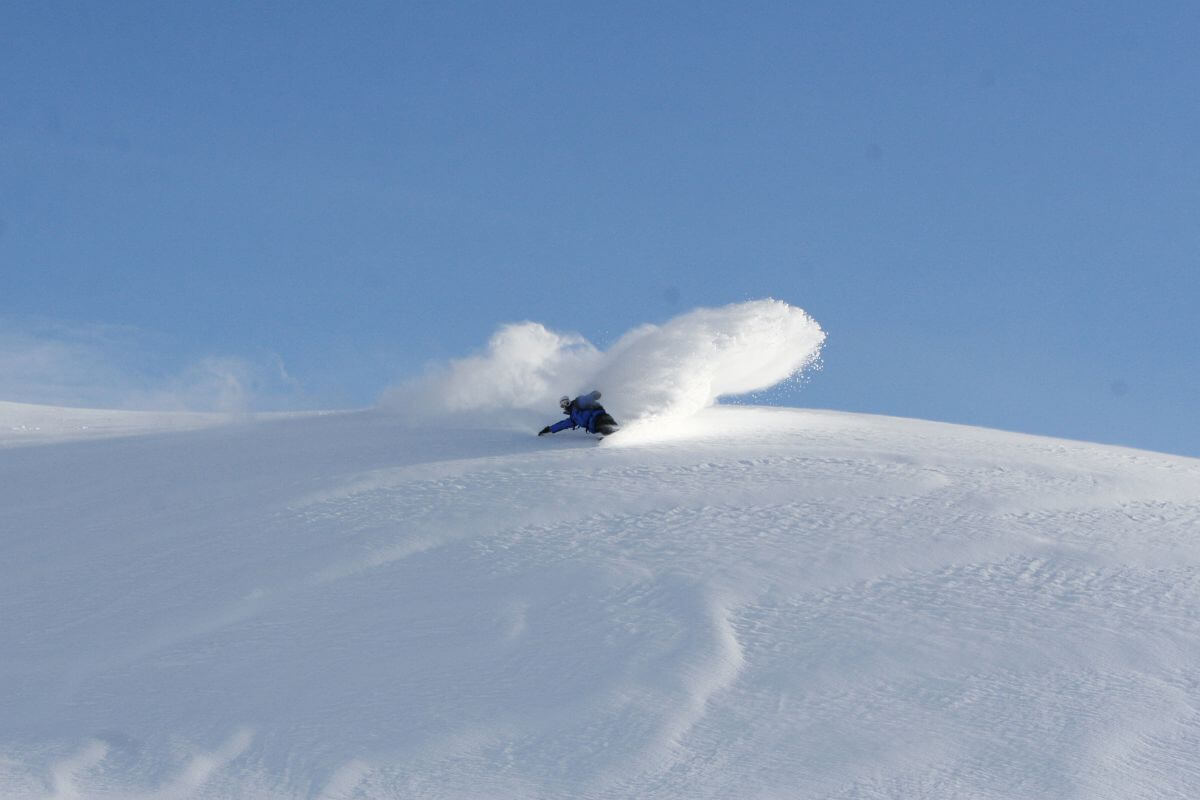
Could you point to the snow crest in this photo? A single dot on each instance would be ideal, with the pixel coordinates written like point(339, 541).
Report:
point(661, 372)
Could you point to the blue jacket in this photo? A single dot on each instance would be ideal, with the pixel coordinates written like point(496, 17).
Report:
point(582, 413)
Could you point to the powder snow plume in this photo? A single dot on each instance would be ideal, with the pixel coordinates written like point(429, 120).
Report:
point(661, 372)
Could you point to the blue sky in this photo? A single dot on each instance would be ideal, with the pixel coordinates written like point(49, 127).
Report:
point(993, 209)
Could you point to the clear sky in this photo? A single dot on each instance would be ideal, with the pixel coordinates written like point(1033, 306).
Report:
point(992, 208)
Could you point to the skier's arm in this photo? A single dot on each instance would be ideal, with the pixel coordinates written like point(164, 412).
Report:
point(558, 426)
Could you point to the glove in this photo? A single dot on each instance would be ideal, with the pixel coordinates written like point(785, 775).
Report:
point(544, 431)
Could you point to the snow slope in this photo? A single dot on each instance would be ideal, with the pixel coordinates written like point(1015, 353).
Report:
point(28, 423)
point(765, 603)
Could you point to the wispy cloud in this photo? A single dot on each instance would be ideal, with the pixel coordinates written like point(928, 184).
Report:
point(110, 366)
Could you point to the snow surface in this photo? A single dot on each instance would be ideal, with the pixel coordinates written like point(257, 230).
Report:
point(746, 602)
point(27, 423)
point(715, 602)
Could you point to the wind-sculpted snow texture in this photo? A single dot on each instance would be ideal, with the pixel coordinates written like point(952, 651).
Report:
point(662, 374)
point(774, 603)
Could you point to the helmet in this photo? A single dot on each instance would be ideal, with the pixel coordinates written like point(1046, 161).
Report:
point(564, 402)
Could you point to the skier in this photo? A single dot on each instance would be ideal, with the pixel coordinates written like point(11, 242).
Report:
point(584, 412)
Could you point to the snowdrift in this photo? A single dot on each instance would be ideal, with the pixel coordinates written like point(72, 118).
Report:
point(786, 604)
point(661, 373)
